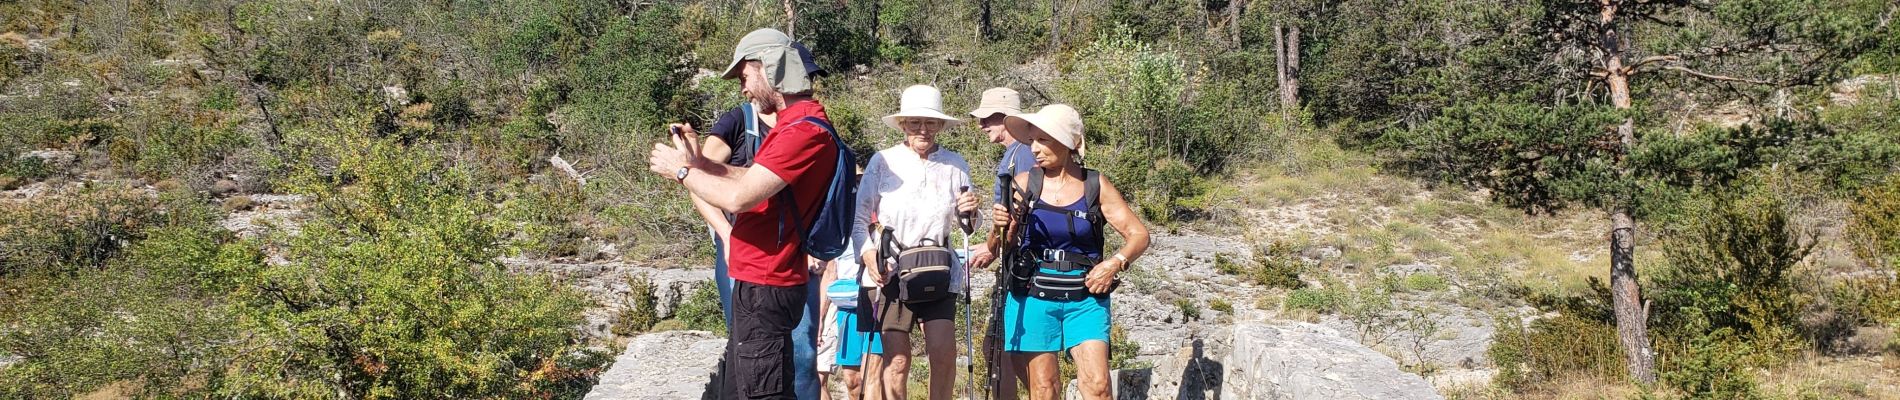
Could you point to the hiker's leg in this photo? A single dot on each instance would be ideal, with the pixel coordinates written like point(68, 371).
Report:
point(940, 344)
point(873, 376)
point(804, 343)
point(1043, 372)
point(1091, 369)
point(722, 279)
point(824, 383)
point(896, 364)
point(853, 382)
point(760, 340)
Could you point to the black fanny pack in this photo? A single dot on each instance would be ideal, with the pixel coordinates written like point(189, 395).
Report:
point(1044, 283)
point(922, 273)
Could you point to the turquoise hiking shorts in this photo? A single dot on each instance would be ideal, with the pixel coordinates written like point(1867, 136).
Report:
point(1032, 325)
point(851, 343)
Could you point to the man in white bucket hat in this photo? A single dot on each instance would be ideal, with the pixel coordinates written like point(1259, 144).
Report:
point(917, 190)
point(768, 265)
point(1062, 301)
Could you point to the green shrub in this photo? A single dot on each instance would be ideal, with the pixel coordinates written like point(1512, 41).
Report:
point(16, 171)
point(1549, 348)
point(1423, 282)
point(1709, 368)
point(1873, 231)
point(1221, 305)
point(1162, 131)
point(83, 231)
point(1734, 268)
point(1122, 352)
point(393, 290)
point(701, 310)
point(154, 317)
point(1189, 310)
point(1276, 265)
point(637, 313)
point(1323, 300)
point(1225, 264)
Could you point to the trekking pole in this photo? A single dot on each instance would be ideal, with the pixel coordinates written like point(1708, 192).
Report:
point(969, 287)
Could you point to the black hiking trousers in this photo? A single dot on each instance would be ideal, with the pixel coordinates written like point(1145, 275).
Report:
point(759, 341)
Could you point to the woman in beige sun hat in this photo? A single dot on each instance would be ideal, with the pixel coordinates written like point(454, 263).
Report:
point(916, 190)
point(1063, 267)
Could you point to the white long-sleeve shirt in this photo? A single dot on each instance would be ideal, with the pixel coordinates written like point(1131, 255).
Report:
point(915, 196)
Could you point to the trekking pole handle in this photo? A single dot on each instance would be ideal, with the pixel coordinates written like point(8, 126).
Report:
point(963, 218)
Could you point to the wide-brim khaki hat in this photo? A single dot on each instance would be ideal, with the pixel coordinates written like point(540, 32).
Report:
point(784, 67)
point(920, 101)
point(1000, 100)
point(1059, 121)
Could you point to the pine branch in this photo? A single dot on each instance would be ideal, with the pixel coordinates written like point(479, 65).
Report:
point(1714, 77)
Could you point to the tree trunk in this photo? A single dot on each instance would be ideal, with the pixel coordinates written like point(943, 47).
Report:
point(1632, 319)
point(791, 20)
point(1279, 67)
point(983, 29)
point(1233, 21)
point(1293, 67)
point(1055, 25)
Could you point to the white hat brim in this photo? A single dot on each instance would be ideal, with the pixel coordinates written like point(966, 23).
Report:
point(1017, 126)
point(948, 121)
point(982, 113)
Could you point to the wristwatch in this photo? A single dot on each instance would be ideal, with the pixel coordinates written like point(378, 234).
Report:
point(681, 175)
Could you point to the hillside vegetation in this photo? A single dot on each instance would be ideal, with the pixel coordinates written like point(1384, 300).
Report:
point(1690, 198)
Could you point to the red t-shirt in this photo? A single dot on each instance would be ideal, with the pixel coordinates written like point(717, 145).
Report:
point(765, 244)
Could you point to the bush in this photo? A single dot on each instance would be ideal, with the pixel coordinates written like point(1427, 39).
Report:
point(1189, 310)
point(62, 235)
point(637, 313)
point(1874, 229)
point(153, 317)
point(1274, 265)
point(1163, 129)
point(16, 171)
point(1121, 351)
point(701, 310)
point(1423, 282)
point(392, 290)
point(1222, 306)
point(1734, 269)
point(1323, 300)
point(1709, 368)
point(1555, 347)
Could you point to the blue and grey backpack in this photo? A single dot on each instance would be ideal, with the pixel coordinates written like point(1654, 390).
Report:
point(830, 234)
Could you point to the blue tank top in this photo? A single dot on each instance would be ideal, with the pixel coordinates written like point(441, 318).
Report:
point(1069, 231)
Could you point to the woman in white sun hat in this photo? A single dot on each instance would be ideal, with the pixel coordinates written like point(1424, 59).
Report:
point(1064, 270)
point(916, 190)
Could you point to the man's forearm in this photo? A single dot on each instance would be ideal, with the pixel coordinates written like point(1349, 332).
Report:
point(724, 187)
point(713, 216)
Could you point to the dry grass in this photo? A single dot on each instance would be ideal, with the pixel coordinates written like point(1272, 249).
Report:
point(1378, 220)
point(1834, 378)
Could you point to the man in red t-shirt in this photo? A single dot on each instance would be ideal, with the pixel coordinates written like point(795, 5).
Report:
point(766, 261)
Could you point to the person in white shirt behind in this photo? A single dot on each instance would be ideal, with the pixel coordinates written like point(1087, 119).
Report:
point(917, 190)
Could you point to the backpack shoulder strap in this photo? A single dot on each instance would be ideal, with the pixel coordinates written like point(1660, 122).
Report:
point(1035, 187)
point(814, 120)
point(1092, 189)
point(754, 137)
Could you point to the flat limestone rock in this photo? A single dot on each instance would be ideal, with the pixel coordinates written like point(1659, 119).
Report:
point(663, 365)
point(1306, 361)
